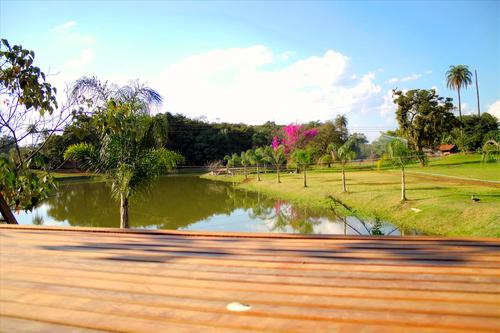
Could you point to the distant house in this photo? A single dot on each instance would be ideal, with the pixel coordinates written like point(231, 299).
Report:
point(447, 149)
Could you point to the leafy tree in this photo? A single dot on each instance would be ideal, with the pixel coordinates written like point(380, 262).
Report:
point(458, 77)
point(478, 129)
point(491, 151)
point(130, 154)
point(344, 154)
point(28, 112)
point(400, 155)
point(303, 158)
point(423, 118)
point(276, 157)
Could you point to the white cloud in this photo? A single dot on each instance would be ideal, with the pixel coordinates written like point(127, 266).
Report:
point(83, 59)
point(63, 28)
point(250, 85)
point(411, 77)
point(388, 108)
point(494, 109)
point(67, 32)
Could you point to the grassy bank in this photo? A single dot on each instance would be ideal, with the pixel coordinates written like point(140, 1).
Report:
point(445, 203)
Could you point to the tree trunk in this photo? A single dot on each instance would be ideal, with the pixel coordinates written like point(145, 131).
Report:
point(245, 171)
point(344, 187)
point(305, 178)
point(6, 212)
point(278, 173)
point(459, 106)
point(403, 185)
point(477, 94)
point(258, 174)
point(123, 211)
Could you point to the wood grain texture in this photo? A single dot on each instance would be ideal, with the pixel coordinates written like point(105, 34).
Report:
point(95, 280)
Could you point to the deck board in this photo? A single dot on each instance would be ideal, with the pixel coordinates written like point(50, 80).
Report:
point(86, 280)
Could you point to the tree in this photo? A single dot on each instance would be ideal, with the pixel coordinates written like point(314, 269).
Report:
point(344, 154)
point(457, 77)
point(232, 161)
point(29, 114)
point(275, 156)
point(303, 158)
point(131, 152)
point(423, 118)
point(400, 155)
point(491, 151)
point(245, 160)
point(257, 158)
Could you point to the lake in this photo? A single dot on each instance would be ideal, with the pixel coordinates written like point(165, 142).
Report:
point(190, 203)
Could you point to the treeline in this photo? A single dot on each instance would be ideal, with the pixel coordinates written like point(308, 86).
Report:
point(199, 141)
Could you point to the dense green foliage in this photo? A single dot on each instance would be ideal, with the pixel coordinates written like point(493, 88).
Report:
point(25, 95)
point(423, 117)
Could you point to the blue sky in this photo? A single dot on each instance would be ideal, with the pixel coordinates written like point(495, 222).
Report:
point(257, 61)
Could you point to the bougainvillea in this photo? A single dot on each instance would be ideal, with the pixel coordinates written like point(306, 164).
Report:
point(295, 136)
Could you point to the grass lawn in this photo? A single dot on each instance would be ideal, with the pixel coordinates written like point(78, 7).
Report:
point(445, 203)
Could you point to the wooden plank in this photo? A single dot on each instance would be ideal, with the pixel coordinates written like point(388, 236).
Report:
point(306, 282)
point(259, 317)
point(64, 278)
point(250, 235)
point(187, 268)
point(11, 324)
point(191, 298)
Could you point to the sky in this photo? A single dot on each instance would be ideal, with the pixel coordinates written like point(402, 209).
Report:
point(252, 62)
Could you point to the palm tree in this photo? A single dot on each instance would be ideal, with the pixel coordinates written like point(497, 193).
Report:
point(276, 157)
point(257, 158)
point(245, 161)
point(344, 154)
point(399, 155)
point(130, 154)
point(457, 77)
point(141, 97)
point(491, 151)
point(303, 158)
point(232, 161)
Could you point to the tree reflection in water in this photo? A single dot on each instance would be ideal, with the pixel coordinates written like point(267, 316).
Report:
point(184, 202)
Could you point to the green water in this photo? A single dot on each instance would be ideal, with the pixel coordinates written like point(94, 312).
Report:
point(191, 203)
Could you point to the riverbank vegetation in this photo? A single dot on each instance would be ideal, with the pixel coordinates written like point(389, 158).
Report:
point(436, 203)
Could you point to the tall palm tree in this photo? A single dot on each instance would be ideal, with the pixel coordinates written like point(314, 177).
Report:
point(458, 77)
point(303, 158)
point(399, 155)
point(276, 157)
point(344, 154)
point(130, 154)
point(257, 158)
point(245, 161)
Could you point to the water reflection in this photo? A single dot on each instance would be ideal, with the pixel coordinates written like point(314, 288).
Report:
point(190, 203)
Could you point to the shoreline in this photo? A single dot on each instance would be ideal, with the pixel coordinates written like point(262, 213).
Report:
point(435, 208)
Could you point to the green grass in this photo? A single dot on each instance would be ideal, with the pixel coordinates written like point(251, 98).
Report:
point(445, 203)
point(459, 165)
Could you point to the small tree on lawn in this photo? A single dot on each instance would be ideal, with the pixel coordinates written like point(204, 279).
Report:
point(303, 158)
point(245, 161)
point(491, 151)
point(344, 154)
point(258, 158)
point(275, 156)
point(130, 154)
point(400, 155)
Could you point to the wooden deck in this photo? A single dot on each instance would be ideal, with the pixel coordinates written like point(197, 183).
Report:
point(94, 280)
